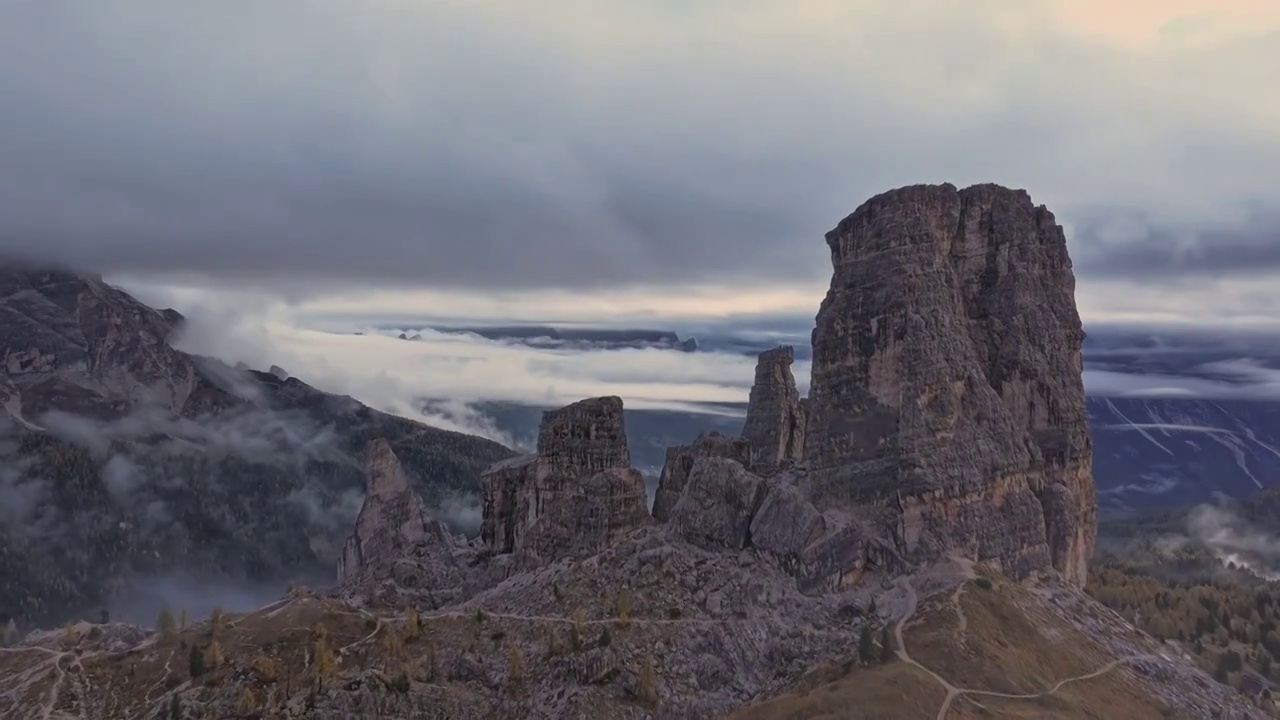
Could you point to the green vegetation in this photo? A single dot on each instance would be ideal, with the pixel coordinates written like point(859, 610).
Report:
point(1233, 628)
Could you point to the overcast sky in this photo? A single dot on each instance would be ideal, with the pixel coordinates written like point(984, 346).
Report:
point(631, 157)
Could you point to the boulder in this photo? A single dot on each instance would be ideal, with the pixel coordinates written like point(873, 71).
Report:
point(717, 504)
point(680, 461)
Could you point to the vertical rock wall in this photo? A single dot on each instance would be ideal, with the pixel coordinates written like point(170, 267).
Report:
point(578, 494)
point(947, 377)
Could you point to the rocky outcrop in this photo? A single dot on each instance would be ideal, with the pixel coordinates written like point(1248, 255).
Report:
point(680, 462)
point(391, 518)
point(577, 494)
point(946, 378)
point(773, 434)
point(775, 420)
point(717, 504)
point(74, 344)
point(397, 553)
point(585, 437)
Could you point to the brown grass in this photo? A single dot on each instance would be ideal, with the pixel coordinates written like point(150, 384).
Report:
point(1010, 645)
point(882, 692)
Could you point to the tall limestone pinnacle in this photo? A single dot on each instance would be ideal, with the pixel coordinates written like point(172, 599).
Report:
point(390, 519)
point(947, 376)
point(775, 421)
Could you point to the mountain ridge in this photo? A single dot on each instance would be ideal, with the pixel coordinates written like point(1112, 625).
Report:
point(936, 477)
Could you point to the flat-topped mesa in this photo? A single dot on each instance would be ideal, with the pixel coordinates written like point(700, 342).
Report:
point(578, 494)
point(775, 421)
point(947, 378)
point(391, 521)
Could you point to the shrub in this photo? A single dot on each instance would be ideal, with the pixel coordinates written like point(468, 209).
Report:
point(624, 609)
point(166, 625)
point(579, 628)
point(647, 685)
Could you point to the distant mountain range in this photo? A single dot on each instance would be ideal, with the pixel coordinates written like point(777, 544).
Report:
point(545, 336)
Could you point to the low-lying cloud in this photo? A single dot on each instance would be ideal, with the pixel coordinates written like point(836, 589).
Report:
point(1233, 539)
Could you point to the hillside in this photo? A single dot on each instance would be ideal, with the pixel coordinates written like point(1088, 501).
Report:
point(127, 462)
point(992, 649)
point(1205, 579)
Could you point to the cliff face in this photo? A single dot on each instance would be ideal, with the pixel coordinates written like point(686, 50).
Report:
point(772, 436)
point(579, 493)
point(947, 378)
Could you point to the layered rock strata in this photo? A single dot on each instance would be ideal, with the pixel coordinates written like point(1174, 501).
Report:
point(577, 494)
point(947, 378)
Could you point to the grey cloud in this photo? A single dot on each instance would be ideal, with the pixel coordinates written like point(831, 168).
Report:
point(307, 144)
point(1155, 249)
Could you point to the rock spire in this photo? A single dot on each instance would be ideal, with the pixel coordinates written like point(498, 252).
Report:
point(775, 421)
point(947, 377)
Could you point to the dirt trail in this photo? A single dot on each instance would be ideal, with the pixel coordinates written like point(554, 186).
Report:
point(953, 691)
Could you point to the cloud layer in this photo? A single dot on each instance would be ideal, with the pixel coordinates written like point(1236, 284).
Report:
point(310, 146)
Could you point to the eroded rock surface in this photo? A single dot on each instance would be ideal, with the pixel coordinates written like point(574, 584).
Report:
point(772, 436)
point(680, 462)
point(397, 554)
point(717, 504)
point(578, 494)
point(390, 520)
point(775, 419)
point(947, 377)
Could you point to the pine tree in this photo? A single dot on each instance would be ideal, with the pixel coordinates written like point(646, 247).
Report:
point(412, 625)
point(166, 625)
point(579, 628)
point(248, 703)
point(515, 659)
point(886, 646)
point(326, 661)
point(624, 610)
point(195, 661)
point(866, 646)
point(9, 634)
point(213, 654)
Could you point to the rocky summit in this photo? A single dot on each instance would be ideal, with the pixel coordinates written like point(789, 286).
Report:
point(908, 543)
point(946, 379)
